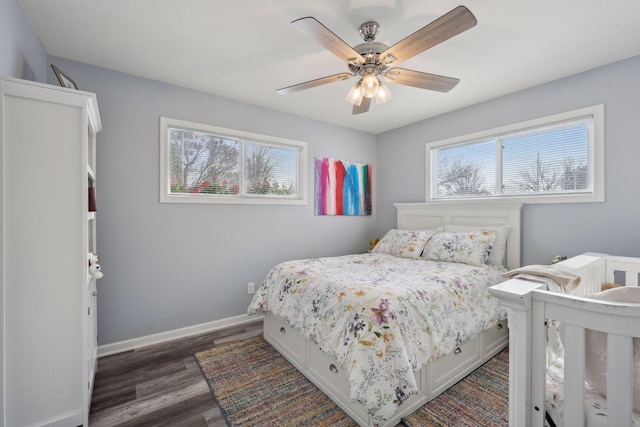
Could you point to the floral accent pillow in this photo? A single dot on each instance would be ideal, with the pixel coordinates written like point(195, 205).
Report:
point(404, 243)
point(496, 257)
point(466, 247)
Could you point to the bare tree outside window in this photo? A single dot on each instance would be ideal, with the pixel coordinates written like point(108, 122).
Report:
point(203, 163)
point(575, 177)
point(270, 170)
point(259, 170)
point(540, 177)
point(456, 178)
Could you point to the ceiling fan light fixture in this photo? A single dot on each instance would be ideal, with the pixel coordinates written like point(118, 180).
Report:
point(370, 85)
point(355, 95)
point(383, 95)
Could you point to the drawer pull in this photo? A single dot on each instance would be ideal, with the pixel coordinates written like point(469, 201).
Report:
point(333, 368)
point(458, 350)
point(499, 325)
point(283, 330)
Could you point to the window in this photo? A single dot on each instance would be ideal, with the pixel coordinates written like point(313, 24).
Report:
point(208, 164)
point(553, 159)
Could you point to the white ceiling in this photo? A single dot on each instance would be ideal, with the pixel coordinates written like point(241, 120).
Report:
point(246, 49)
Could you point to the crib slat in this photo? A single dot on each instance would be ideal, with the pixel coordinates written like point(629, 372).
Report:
point(619, 380)
point(630, 266)
point(537, 376)
point(574, 376)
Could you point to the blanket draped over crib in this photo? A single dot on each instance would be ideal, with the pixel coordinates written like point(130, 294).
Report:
point(382, 316)
point(556, 278)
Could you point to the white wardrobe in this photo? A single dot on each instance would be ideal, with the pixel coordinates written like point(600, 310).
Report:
point(48, 322)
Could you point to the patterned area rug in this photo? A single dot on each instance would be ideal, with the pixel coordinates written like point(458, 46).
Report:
point(255, 386)
point(480, 399)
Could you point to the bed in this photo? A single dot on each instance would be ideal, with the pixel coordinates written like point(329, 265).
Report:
point(377, 347)
point(566, 383)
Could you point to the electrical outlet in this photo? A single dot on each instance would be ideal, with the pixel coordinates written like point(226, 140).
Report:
point(251, 288)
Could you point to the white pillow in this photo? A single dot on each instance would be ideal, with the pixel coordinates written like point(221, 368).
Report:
point(403, 243)
point(496, 257)
point(596, 347)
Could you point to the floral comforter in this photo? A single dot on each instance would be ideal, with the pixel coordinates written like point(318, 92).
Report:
point(381, 316)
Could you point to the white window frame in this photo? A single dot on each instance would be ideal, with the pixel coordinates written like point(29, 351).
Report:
point(596, 161)
point(165, 180)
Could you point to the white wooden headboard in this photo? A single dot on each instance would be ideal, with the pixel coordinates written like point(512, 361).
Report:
point(418, 216)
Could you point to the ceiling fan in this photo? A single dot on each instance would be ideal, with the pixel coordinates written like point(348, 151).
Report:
point(371, 60)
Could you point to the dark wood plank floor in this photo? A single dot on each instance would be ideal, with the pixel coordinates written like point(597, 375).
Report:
point(160, 385)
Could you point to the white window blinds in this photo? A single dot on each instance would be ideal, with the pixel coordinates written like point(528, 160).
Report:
point(560, 156)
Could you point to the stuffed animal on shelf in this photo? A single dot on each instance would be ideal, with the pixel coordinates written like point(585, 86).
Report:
point(94, 267)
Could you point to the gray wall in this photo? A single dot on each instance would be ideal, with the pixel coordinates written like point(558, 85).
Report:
point(612, 227)
point(21, 53)
point(168, 266)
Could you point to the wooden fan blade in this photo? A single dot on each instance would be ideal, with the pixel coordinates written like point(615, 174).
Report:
point(448, 25)
point(421, 80)
point(322, 35)
point(313, 83)
point(363, 107)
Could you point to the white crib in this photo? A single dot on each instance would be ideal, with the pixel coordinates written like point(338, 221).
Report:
point(529, 306)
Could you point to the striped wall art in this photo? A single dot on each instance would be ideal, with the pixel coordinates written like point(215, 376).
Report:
point(342, 188)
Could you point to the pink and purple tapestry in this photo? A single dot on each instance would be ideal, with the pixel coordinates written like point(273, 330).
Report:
point(342, 188)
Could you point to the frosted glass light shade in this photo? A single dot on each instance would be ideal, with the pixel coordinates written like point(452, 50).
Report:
point(355, 95)
point(384, 94)
point(370, 85)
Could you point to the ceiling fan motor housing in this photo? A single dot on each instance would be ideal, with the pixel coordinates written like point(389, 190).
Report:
point(369, 30)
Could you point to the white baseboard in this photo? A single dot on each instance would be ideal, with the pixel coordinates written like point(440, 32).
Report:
point(122, 346)
point(71, 420)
